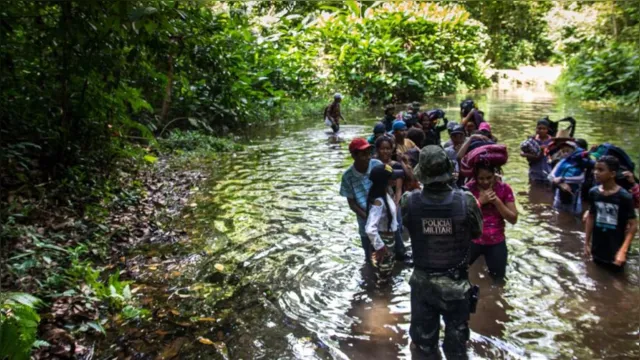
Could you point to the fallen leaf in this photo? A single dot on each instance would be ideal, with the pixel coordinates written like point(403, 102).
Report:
point(206, 319)
point(219, 267)
point(205, 341)
point(175, 312)
point(153, 268)
point(172, 349)
point(193, 204)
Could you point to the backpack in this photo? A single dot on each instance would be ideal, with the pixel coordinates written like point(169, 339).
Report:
point(492, 154)
point(554, 125)
point(621, 155)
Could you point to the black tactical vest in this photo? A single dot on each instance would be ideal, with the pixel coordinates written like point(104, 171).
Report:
point(440, 234)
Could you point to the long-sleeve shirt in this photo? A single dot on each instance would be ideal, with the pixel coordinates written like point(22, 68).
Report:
point(378, 221)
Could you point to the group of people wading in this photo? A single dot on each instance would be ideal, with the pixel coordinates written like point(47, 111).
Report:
point(454, 203)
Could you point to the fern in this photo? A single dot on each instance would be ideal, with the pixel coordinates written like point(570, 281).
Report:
point(18, 325)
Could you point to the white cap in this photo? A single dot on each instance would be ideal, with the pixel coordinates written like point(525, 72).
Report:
point(337, 96)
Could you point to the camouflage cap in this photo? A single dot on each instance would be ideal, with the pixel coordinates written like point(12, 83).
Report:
point(433, 165)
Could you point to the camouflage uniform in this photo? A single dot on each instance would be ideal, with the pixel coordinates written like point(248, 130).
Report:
point(437, 291)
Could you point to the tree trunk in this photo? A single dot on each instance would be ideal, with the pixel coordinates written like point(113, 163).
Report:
point(166, 103)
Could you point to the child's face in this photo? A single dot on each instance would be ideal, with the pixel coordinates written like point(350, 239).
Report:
point(542, 130)
point(384, 151)
point(361, 157)
point(602, 172)
point(485, 179)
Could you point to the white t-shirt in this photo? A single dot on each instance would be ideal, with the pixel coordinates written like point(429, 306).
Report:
point(378, 221)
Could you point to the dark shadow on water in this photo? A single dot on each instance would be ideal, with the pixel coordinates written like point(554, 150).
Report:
point(375, 333)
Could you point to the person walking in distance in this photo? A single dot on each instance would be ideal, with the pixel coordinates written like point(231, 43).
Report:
point(332, 113)
point(441, 221)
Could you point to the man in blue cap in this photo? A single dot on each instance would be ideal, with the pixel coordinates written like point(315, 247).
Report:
point(442, 221)
point(403, 144)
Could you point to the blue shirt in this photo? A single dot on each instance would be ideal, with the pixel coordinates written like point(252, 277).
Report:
point(356, 185)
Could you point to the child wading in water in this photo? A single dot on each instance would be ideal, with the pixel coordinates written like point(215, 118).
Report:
point(382, 218)
point(497, 204)
point(533, 151)
point(384, 153)
point(611, 223)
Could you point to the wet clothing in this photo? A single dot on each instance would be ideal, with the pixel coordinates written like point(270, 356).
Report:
point(495, 256)
point(540, 169)
point(356, 185)
point(333, 114)
point(492, 221)
point(435, 296)
point(436, 291)
point(385, 265)
point(611, 214)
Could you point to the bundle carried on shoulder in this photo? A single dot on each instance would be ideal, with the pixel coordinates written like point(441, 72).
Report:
point(530, 146)
point(609, 149)
point(490, 154)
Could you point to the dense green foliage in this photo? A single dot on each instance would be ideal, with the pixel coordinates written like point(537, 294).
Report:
point(402, 53)
point(517, 30)
point(605, 64)
point(18, 325)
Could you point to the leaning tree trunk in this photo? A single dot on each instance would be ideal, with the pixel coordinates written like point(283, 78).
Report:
point(166, 103)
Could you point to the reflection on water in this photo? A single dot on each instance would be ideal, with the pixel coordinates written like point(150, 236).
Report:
point(291, 232)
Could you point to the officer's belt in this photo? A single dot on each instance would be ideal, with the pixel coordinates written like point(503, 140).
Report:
point(457, 272)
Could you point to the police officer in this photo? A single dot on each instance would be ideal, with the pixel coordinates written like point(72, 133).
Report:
point(441, 221)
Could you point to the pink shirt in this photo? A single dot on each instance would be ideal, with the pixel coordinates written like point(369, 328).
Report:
point(492, 221)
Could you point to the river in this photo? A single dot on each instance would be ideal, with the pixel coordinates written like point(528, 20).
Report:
point(294, 285)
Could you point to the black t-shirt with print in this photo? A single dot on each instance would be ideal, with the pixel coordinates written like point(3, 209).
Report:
point(611, 214)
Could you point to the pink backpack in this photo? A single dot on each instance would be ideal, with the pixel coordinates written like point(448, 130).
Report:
point(493, 154)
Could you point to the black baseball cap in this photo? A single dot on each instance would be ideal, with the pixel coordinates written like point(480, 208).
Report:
point(382, 173)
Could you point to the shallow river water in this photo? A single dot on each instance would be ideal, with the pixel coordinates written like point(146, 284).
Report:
point(274, 210)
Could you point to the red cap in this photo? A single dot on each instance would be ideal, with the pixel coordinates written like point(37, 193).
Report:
point(358, 144)
point(485, 126)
